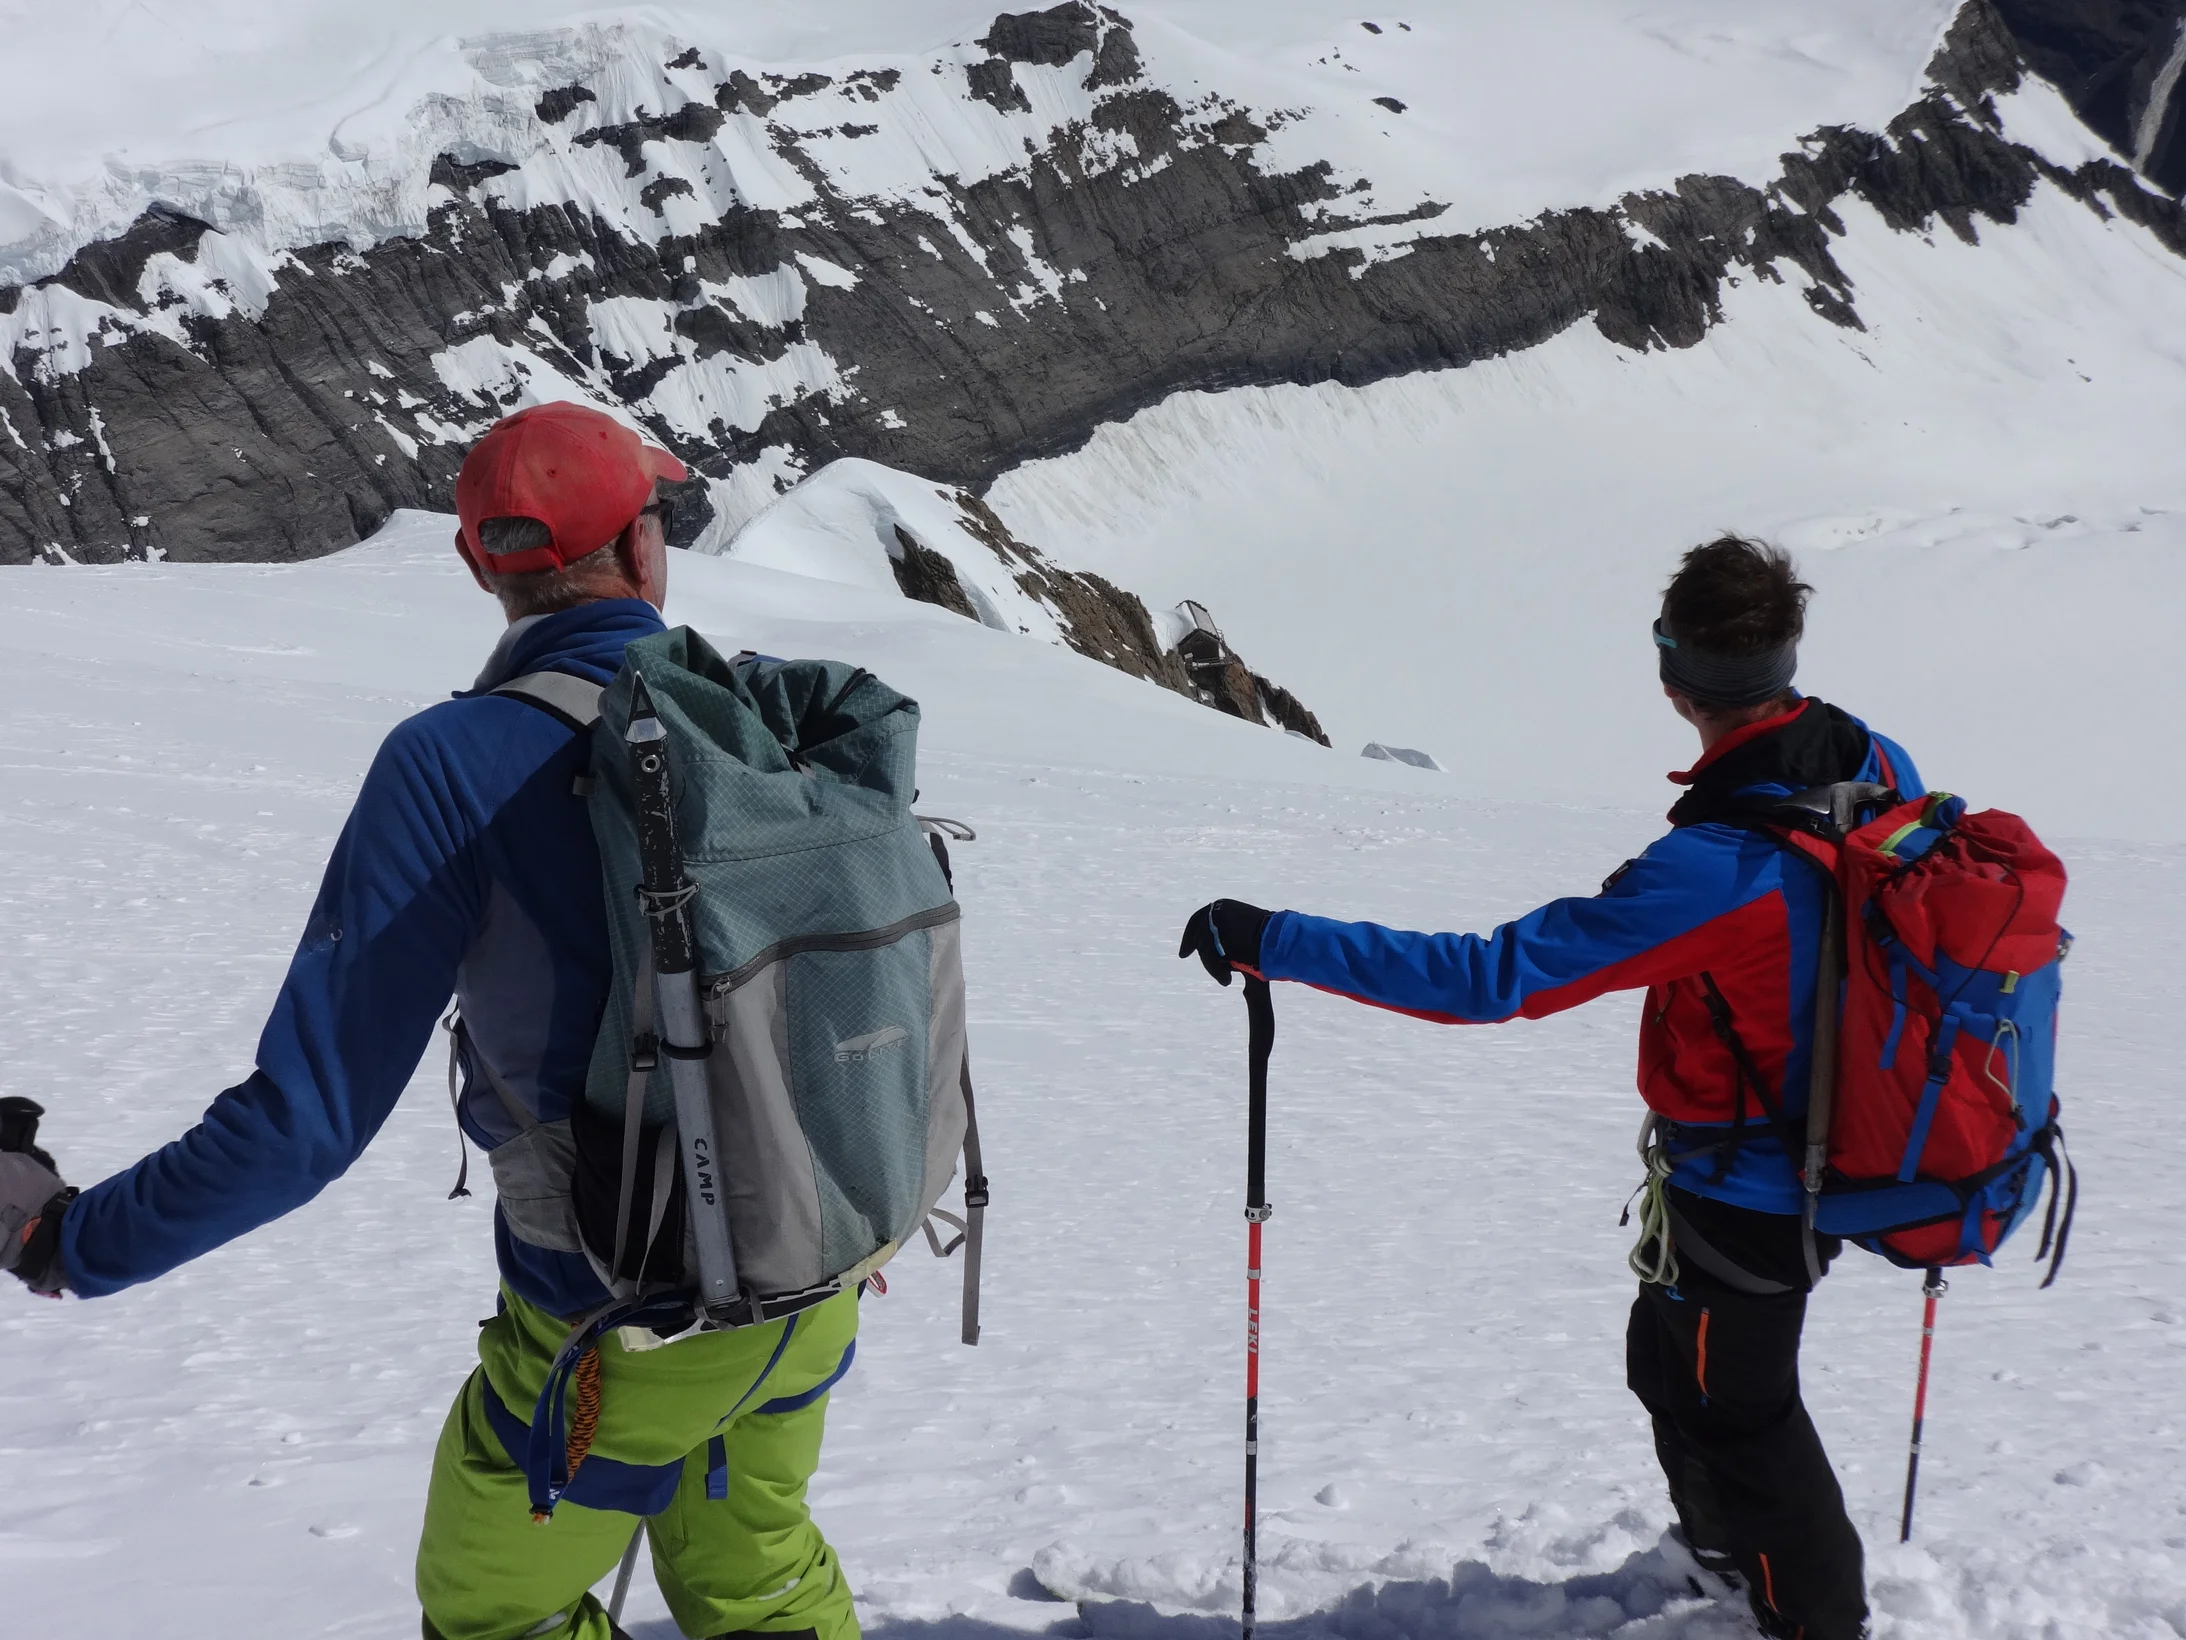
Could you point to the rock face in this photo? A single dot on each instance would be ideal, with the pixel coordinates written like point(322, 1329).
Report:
point(1219, 678)
point(2119, 63)
point(748, 274)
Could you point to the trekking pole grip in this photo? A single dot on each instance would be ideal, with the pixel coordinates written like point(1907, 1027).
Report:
point(1260, 1043)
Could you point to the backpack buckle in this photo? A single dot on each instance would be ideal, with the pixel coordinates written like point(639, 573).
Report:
point(644, 1052)
point(975, 1190)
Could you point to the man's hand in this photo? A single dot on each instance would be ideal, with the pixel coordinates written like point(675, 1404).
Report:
point(32, 1199)
point(1225, 935)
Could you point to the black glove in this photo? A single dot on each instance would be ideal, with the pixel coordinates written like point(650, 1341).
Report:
point(1225, 935)
point(32, 1199)
point(19, 1127)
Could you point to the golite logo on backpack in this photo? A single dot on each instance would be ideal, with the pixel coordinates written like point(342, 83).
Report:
point(860, 1048)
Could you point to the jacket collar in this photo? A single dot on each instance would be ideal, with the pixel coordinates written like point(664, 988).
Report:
point(586, 642)
point(1737, 738)
point(1759, 765)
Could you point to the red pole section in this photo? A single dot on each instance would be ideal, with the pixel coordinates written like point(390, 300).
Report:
point(1252, 1310)
point(1934, 1288)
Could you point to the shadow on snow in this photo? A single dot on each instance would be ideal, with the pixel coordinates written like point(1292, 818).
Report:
point(1649, 1597)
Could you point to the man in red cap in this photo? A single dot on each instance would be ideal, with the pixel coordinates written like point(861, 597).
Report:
point(468, 867)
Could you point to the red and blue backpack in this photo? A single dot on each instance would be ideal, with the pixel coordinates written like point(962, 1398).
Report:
point(1932, 1126)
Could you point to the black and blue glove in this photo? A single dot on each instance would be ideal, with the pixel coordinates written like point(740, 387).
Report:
point(1225, 935)
point(32, 1200)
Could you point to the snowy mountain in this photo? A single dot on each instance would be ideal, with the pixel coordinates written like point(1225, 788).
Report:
point(950, 259)
point(1413, 346)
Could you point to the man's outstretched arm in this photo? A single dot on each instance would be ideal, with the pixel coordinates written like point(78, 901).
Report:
point(1685, 904)
point(376, 963)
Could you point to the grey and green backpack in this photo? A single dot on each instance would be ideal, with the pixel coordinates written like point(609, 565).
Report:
point(825, 1088)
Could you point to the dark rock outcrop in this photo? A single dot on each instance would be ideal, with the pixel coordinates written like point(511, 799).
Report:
point(927, 576)
point(1054, 37)
point(1099, 620)
point(1221, 679)
point(2118, 64)
point(956, 335)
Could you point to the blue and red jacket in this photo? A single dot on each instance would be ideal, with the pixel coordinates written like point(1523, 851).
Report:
point(1713, 900)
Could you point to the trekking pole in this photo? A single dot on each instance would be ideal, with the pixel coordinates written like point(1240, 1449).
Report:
point(1260, 1017)
point(622, 1577)
point(665, 892)
point(1934, 1287)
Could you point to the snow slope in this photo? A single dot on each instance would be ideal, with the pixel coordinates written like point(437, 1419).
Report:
point(294, 123)
point(841, 525)
point(241, 1450)
point(1983, 484)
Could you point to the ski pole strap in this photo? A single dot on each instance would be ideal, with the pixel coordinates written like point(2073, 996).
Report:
point(1259, 1045)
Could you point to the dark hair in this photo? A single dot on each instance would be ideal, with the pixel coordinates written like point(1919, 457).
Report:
point(1736, 596)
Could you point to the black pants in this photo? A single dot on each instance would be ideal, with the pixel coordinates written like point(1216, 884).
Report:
point(1718, 1371)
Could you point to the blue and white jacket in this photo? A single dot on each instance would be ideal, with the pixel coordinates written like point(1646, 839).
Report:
point(467, 867)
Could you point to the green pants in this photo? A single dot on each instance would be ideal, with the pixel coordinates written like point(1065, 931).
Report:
point(738, 1413)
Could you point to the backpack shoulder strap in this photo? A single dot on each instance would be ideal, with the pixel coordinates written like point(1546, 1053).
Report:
point(574, 700)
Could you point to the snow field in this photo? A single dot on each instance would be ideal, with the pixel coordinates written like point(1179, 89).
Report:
point(1983, 486)
point(1450, 1453)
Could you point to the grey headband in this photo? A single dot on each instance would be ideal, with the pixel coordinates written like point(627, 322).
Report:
point(1724, 680)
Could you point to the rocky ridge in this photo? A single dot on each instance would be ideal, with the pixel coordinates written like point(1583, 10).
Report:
point(744, 265)
point(1099, 619)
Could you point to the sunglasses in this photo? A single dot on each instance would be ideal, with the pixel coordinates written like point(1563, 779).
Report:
point(665, 511)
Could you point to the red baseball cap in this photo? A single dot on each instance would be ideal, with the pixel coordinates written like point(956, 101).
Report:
point(579, 472)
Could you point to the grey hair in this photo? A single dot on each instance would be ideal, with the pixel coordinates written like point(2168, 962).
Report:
point(547, 591)
point(501, 536)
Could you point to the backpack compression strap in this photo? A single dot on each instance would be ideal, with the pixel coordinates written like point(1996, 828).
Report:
point(971, 1228)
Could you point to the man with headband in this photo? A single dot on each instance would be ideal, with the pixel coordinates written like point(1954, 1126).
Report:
point(1722, 928)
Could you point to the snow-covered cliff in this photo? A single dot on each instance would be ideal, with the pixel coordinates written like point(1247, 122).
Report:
point(951, 259)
